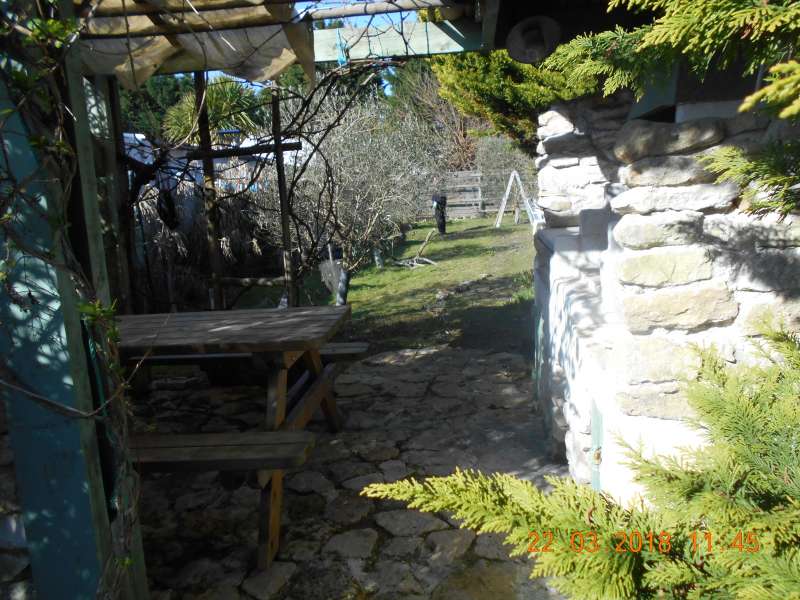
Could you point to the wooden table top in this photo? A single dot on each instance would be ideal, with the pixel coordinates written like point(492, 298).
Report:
point(252, 330)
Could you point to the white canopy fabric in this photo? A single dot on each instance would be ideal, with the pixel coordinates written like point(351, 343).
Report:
point(142, 38)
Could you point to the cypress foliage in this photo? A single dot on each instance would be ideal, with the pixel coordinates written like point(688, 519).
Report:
point(708, 34)
point(742, 489)
point(611, 60)
point(782, 91)
point(769, 178)
point(506, 93)
point(763, 36)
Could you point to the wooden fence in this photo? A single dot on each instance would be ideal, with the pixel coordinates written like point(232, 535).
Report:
point(463, 191)
point(474, 194)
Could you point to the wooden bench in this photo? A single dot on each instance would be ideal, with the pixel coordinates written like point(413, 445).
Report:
point(226, 363)
point(344, 351)
point(340, 351)
point(268, 453)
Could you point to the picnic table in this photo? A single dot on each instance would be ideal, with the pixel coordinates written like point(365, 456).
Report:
point(270, 341)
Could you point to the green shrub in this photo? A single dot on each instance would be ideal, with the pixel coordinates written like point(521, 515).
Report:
point(503, 91)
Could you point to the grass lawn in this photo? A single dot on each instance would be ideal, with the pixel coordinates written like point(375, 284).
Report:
point(398, 307)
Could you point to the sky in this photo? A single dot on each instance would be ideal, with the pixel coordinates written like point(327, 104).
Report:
point(354, 21)
point(362, 21)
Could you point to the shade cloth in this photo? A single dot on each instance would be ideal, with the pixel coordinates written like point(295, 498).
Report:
point(134, 40)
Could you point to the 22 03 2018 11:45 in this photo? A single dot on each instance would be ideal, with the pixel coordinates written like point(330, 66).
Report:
point(638, 541)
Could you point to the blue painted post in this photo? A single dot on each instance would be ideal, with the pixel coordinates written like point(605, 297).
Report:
point(41, 343)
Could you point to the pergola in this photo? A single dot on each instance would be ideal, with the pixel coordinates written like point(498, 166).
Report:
point(128, 42)
point(61, 464)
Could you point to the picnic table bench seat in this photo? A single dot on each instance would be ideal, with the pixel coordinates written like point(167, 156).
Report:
point(344, 351)
point(268, 453)
point(237, 451)
point(337, 351)
point(223, 368)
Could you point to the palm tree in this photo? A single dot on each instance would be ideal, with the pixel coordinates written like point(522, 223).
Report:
point(231, 105)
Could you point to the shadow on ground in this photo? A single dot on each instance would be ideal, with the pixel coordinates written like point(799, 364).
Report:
point(409, 413)
point(448, 386)
point(493, 314)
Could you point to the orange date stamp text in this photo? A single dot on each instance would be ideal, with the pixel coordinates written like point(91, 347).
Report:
point(636, 541)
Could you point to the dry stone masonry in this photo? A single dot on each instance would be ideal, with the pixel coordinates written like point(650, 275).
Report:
point(645, 259)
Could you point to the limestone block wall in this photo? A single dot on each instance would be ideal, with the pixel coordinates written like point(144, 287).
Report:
point(570, 348)
point(576, 165)
point(629, 285)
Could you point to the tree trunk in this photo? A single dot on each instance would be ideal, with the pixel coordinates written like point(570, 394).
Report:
point(344, 287)
point(283, 195)
point(209, 191)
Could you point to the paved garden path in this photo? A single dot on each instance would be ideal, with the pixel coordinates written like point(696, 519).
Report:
point(408, 413)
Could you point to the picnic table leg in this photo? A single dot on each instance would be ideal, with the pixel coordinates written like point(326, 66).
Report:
point(276, 398)
point(313, 362)
point(141, 378)
point(269, 516)
point(271, 482)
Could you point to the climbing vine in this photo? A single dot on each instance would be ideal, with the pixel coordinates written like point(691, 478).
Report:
point(36, 77)
point(42, 95)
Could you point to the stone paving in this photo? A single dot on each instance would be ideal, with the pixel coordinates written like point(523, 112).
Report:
point(408, 413)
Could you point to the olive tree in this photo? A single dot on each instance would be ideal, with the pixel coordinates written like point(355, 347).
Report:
point(366, 168)
point(365, 171)
point(383, 166)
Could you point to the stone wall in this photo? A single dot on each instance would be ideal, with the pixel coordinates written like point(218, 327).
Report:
point(645, 260)
point(577, 168)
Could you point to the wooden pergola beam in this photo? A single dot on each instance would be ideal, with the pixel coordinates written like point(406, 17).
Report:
point(119, 8)
point(414, 39)
point(239, 152)
point(149, 26)
point(135, 20)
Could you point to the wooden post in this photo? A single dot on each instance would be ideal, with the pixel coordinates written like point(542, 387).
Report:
point(87, 177)
point(134, 584)
point(126, 207)
point(57, 464)
point(209, 191)
point(106, 127)
point(288, 265)
point(481, 204)
point(119, 208)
